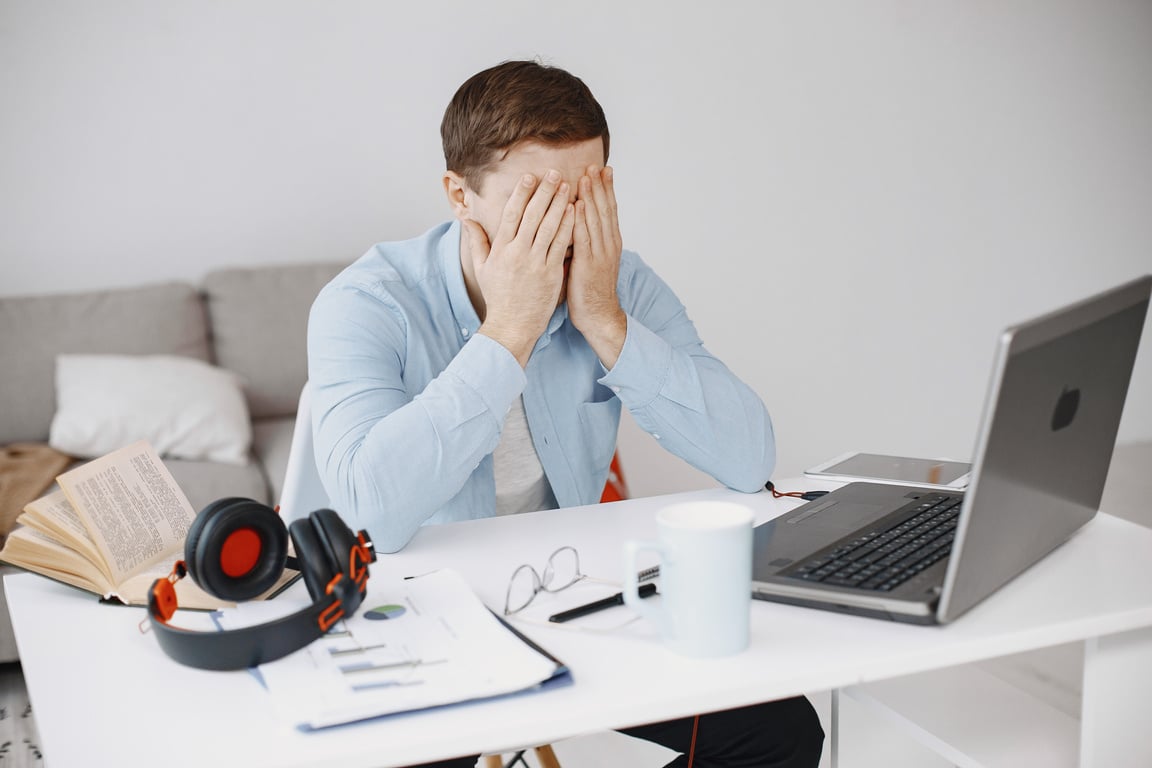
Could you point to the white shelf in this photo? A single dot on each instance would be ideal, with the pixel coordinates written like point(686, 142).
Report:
point(973, 718)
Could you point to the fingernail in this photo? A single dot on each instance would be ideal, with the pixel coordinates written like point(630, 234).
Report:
point(528, 180)
point(553, 176)
point(608, 173)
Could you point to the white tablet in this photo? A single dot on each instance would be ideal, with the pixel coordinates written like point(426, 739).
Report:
point(896, 470)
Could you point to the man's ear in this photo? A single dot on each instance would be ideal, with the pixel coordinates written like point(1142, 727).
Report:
point(456, 189)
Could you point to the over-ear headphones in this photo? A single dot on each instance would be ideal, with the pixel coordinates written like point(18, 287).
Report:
point(237, 549)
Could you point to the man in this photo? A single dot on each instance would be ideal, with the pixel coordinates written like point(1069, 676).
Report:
point(480, 369)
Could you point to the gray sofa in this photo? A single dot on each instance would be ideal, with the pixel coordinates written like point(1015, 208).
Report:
point(250, 321)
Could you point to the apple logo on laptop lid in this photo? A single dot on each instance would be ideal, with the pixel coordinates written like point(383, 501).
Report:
point(1066, 406)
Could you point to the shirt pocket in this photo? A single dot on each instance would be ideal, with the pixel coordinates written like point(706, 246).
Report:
point(599, 423)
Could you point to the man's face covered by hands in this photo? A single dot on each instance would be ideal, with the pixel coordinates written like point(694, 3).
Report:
point(541, 229)
point(572, 162)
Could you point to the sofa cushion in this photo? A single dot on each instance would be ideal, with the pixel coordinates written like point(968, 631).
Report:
point(206, 481)
point(186, 408)
point(259, 320)
point(156, 319)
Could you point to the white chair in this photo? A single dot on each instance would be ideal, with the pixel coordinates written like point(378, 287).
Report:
point(303, 491)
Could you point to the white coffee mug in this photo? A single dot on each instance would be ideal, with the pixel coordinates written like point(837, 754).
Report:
point(705, 550)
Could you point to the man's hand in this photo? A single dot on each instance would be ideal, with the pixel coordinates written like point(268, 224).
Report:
point(593, 305)
point(520, 272)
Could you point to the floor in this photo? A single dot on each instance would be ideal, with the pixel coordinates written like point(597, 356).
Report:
point(866, 742)
point(18, 740)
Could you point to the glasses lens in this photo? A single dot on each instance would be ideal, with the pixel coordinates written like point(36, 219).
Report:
point(521, 589)
point(563, 569)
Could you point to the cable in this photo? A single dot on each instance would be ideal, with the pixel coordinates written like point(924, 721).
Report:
point(806, 495)
point(692, 747)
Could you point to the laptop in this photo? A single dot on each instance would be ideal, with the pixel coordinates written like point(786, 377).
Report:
point(1043, 449)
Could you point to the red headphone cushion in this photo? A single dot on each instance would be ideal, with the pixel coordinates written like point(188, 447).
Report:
point(236, 548)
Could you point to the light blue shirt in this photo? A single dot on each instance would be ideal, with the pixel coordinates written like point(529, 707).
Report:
point(408, 401)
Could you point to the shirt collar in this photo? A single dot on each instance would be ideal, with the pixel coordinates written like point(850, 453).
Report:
point(467, 321)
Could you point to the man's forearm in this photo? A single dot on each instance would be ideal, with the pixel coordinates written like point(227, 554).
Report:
point(395, 462)
point(698, 409)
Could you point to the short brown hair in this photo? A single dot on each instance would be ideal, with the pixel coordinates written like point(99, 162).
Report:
point(513, 102)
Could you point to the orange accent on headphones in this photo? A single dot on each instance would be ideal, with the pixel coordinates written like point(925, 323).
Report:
point(358, 558)
point(334, 612)
point(163, 594)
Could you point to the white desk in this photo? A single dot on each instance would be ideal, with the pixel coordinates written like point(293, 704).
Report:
point(105, 694)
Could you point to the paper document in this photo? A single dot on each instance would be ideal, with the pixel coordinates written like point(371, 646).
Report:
point(413, 644)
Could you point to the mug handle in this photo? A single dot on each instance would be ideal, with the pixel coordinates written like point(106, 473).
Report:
point(631, 589)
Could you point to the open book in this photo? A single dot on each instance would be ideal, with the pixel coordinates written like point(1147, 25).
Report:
point(117, 524)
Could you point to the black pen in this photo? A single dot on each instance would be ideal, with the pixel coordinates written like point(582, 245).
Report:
point(646, 590)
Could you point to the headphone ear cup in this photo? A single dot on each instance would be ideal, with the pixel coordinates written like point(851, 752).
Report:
point(313, 555)
point(339, 541)
point(337, 537)
point(236, 548)
point(196, 530)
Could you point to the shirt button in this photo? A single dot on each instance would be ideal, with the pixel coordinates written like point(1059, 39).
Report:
point(655, 435)
point(616, 389)
point(464, 332)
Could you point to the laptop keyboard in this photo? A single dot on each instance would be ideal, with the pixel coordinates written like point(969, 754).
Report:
point(882, 560)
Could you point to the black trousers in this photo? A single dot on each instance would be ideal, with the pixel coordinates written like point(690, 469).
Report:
point(777, 734)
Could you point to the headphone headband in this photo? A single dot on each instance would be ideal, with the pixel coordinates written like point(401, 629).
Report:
point(334, 594)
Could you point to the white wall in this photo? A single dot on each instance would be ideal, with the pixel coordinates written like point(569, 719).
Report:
point(847, 196)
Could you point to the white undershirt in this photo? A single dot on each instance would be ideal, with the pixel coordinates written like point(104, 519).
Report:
point(520, 482)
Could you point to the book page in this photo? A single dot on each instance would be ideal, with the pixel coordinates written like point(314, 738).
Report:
point(38, 552)
point(53, 514)
point(132, 506)
point(134, 589)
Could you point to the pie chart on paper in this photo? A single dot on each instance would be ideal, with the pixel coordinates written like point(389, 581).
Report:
point(384, 612)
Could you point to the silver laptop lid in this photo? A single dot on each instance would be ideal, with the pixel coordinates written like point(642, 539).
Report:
point(1051, 416)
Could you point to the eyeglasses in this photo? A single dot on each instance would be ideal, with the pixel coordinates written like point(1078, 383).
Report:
point(560, 572)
